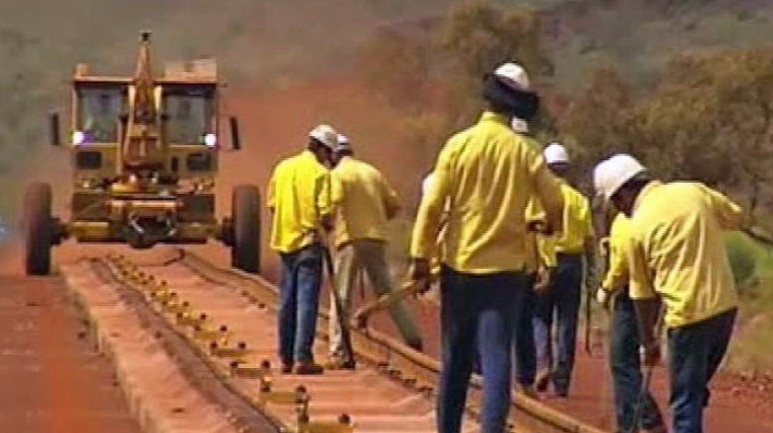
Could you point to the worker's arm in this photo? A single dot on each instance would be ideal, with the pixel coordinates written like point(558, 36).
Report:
point(325, 200)
point(646, 302)
point(548, 191)
point(428, 220)
point(392, 203)
point(271, 193)
point(728, 213)
point(589, 248)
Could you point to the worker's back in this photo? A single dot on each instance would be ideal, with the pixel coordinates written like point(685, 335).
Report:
point(299, 195)
point(364, 200)
point(489, 173)
point(678, 229)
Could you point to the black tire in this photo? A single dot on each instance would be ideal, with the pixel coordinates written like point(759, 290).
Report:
point(245, 210)
point(38, 229)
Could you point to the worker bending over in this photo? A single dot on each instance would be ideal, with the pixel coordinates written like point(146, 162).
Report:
point(487, 174)
point(299, 198)
point(624, 358)
point(365, 203)
point(562, 296)
point(676, 253)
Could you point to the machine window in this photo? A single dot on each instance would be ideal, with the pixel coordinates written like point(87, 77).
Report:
point(99, 113)
point(190, 112)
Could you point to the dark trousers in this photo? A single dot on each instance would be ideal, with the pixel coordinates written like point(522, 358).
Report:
point(477, 314)
point(563, 300)
point(299, 302)
point(525, 349)
point(695, 352)
point(626, 369)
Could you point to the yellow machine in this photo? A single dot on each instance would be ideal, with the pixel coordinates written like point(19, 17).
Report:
point(145, 154)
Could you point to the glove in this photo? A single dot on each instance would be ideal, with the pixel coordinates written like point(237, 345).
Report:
point(650, 353)
point(544, 280)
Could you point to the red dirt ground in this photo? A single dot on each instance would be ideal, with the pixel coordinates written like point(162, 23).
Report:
point(52, 379)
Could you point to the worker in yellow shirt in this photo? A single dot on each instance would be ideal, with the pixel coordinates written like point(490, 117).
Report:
point(299, 198)
point(486, 174)
point(676, 254)
point(624, 339)
point(539, 264)
point(574, 255)
point(365, 203)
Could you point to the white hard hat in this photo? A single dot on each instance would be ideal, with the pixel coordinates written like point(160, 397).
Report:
point(513, 75)
point(343, 143)
point(555, 153)
point(427, 182)
point(326, 135)
point(610, 175)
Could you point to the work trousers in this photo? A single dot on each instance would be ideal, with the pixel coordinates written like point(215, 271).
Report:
point(477, 314)
point(626, 369)
point(563, 300)
point(368, 256)
point(525, 349)
point(695, 352)
point(299, 302)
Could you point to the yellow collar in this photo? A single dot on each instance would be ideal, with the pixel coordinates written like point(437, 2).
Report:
point(646, 190)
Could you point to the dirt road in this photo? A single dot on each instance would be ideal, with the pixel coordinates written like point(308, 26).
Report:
point(51, 379)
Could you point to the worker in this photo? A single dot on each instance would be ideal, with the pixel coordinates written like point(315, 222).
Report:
point(299, 198)
point(365, 203)
point(487, 174)
point(101, 125)
point(540, 264)
point(677, 259)
point(624, 339)
point(562, 297)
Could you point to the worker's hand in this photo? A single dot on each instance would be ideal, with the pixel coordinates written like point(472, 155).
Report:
point(544, 280)
point(603, 297)
point(420, 274)
point(650, 353)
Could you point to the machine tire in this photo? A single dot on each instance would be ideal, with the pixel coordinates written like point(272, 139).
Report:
point(245, 210)
point(38, 229)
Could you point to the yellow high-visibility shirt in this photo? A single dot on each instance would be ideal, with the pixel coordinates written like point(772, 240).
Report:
point(538, 253)
point(487, 174)
point(298, 196)
point(364, 201)
point(617, 275)
point(578, 223)
point(677, 250)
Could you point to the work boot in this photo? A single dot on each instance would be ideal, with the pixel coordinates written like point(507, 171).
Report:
point(339, 363)
point(308, 368)
point(543, 380)
point(287, 367)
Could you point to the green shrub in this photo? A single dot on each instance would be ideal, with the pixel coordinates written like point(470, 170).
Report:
point(743, 262)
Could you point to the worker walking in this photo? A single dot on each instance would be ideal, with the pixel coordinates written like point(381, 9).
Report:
point(676, 254)
point(561, 298)
point(540, 264)
point(299, 198)
point(365, 203)
point(624, 358)
point(487, 174)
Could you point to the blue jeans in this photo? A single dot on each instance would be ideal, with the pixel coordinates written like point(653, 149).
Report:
point(525, 348)
point(477, 314)
point(626, 369)
point(298, 303)
point(695, 352)
point(563, 299)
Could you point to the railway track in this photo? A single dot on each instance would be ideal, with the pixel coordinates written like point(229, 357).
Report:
point(222, 323)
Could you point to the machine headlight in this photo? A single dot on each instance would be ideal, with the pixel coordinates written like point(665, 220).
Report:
point(78, 138)
point(210, 140)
